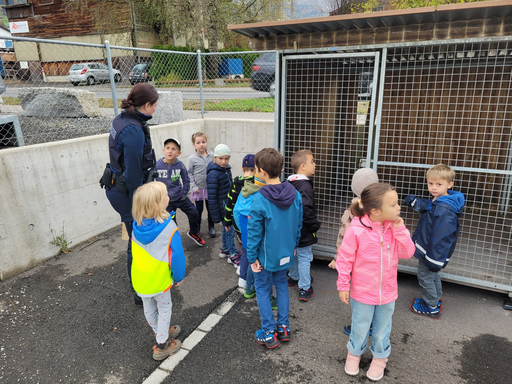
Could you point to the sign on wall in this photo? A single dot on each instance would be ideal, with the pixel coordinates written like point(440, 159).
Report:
point(19, 27)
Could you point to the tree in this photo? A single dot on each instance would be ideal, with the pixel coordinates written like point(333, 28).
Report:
point(340, 7)
point(371, 5)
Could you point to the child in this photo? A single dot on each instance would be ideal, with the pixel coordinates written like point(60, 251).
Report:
point(273, 233)
point(367, 266)
point(197, 163)
point(219, 183)
point(241, 214)
point(299, 273)
point(173, 173)
point(435, 237)
point(362, 178)
point(158, 263)
point(238, 183)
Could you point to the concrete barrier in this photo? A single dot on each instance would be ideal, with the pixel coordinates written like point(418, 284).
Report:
point(49, 185)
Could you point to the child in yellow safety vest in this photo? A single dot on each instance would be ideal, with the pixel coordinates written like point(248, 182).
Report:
point(158, 263)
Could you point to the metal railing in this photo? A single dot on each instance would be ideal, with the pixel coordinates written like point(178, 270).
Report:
point(220, 84)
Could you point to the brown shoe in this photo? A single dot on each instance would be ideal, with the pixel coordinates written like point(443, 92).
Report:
point(376, 370)
point(171, 347)
point(174, 331)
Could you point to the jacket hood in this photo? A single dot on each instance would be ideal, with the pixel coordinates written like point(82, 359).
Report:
point(455, 199)
point(282, 195)
point(149, 230)
point(249, 188)
point(162, 162)
point(213, 166)
point(297, 177)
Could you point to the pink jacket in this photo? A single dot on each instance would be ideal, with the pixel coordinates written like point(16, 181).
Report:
point(371, 254)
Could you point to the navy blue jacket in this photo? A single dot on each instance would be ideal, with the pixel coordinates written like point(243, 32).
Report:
point(438, 228)
point(218, 182)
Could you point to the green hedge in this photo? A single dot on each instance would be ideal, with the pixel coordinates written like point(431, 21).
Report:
point(183, 67)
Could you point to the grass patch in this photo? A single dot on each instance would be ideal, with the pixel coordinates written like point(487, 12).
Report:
point(9, 100)
point(237, 105)
point(103, 103)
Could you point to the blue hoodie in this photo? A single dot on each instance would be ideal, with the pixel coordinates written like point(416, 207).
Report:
point(273, 228)
point(149, 230)
point(175, 177)
point(437, 232)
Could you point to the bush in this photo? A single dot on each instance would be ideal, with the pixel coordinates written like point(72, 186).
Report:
point(180, 67)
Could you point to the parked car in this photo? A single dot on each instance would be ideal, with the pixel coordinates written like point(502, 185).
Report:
point(140, 74)
point(264, 73)
point(91, 73)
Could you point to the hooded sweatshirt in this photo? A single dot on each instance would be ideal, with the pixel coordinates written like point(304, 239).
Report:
point(175, 177)
point(243, 207)
point(367, 260)
point(274, 226)
point(310, 223)
point(236, 188)
point(437, 232)
point(148, 232)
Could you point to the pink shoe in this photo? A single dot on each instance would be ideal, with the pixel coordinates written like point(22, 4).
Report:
point(376, 371)
point(352, 364)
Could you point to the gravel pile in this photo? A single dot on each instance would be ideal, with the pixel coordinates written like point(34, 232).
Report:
point(39, 130)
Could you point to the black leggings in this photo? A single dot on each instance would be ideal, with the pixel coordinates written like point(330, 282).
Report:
point(200, 206)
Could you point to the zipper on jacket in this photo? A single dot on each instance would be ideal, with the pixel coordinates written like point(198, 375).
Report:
point(381, 264)
point(389, 258)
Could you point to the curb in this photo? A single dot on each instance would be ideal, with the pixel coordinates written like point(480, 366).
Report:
point(168, 365)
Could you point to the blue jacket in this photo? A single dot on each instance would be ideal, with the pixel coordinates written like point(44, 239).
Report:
point(273, 228)
point(438, 228)
point(149, 230)
point(218, 182)
point(243, 207)
point(173, 176)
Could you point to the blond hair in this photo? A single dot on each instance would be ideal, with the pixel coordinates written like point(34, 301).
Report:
point(441, 171)
point(197, 135)
point(148, 202)
point(299, 158)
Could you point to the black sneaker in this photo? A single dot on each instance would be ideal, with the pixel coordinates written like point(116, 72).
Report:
point(197, 238)
point(137, 300)
point(283, 333)
point(212, 232)
point(306, 295)
point(292, 282)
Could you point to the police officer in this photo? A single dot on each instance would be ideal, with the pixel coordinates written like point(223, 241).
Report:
point(132, 157)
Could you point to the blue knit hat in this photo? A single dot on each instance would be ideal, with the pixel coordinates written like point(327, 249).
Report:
point(221, 150)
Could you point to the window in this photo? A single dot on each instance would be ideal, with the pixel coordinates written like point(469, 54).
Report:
point(44, 2)
point(76, 67)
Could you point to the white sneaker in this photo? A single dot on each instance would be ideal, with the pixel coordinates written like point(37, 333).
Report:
point(241, 282)
point(238, 270)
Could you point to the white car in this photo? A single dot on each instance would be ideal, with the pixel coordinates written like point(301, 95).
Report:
point(91, 73)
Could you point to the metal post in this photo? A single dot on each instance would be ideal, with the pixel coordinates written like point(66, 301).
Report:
point(382, 81)
point(200, 76)
point(111, 75)
point(277, 98)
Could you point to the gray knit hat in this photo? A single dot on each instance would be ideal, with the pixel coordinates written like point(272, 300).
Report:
point(363, 178)
point(221, 150)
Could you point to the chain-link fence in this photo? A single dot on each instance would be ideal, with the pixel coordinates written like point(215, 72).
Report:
point(57, 90)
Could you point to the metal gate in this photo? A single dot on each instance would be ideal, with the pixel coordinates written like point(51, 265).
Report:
point(447, 102)
point(327, 107)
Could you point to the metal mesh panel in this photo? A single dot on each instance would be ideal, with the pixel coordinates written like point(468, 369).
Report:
point(325, 103)
point(34, 73)
point(239, 84)
point(451, 104)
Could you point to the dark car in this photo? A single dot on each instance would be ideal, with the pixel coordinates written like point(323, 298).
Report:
point(264, 73)
point(140, 74)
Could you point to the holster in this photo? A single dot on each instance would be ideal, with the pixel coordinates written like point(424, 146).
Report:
point(106, 180)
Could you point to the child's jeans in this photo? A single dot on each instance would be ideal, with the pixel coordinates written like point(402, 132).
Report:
point(364, 316)
point(431, 284)
point(263, 285)
point(157, 310)
point(300, 270)
point(228, 239)
point(246, 272)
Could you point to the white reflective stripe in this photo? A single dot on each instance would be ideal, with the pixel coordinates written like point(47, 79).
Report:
point(420, 248)
point(433, 261)
point(413, 202)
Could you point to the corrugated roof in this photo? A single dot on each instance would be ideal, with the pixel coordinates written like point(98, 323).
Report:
point(453, 12)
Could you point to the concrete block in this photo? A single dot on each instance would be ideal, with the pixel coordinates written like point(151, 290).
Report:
point(194, 339)
point(169, 108)
point(157, 377)
point(172, 361)
point(210, 322)
point(58, 102)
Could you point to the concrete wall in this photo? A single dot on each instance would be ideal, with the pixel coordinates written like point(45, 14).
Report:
point(48, 185)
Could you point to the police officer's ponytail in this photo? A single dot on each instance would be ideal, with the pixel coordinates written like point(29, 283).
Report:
point(139, 95)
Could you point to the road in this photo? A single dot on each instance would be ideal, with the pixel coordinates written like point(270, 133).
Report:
point(191, 93)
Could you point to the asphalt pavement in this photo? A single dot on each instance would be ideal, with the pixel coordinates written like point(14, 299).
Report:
point(72, 319)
